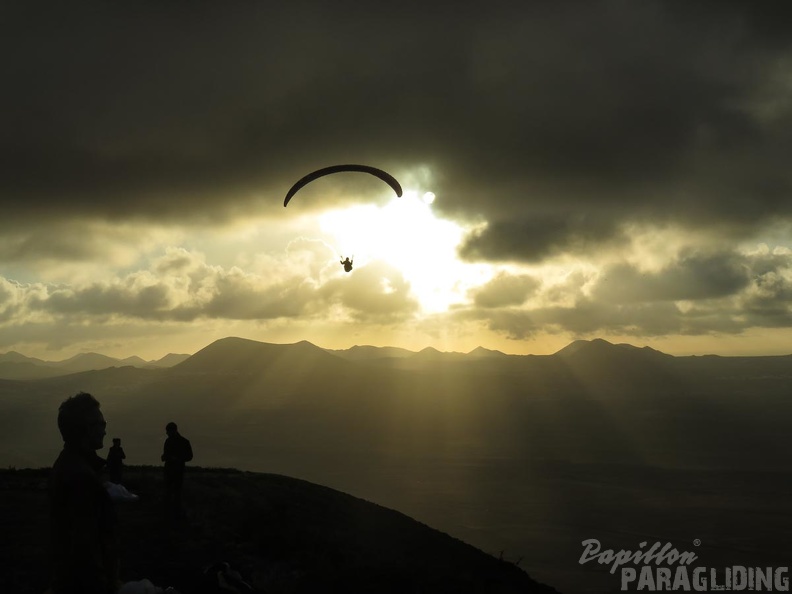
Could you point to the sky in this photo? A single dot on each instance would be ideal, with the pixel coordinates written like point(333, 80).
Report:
point(614, 169)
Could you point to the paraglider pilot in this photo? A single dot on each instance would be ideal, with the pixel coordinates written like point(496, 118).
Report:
point(347, 263)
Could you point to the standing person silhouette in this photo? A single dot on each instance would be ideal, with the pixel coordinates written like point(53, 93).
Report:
point(176, 452)
point(82, 520)
point(115, 461)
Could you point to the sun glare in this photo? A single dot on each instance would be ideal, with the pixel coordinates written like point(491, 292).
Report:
point(406, 234)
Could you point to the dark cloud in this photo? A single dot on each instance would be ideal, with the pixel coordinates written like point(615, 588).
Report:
point(588, 318)
point(9, 305)
point(534, 239)
point(212, 293)
point(505, 290)
point(531, 114)
point(695, 295)
point(186, 289)
point(42, 243)
point(239, 296)
point(690, 277)
point(768, 303)
point(125, 299)
point(74, 241)
point(68, 332)
point(375, 293)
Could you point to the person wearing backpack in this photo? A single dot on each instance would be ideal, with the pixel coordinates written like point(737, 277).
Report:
point(176, 453)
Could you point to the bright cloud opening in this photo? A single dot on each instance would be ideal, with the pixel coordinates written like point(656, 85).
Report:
point(406, 234)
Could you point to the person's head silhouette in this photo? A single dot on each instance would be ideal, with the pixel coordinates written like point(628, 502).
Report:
point(81, 422)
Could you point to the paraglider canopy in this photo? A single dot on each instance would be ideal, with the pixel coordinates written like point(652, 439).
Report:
point(384, 176)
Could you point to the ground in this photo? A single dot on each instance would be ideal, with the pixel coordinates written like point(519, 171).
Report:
point(282, 534)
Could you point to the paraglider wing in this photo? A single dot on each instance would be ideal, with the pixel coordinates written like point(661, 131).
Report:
point(386, 177)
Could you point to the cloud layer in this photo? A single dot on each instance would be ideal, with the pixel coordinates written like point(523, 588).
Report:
point(553, 131)
point(529, 113)
point(180, 286)
point(696, 294)
point(693, 295)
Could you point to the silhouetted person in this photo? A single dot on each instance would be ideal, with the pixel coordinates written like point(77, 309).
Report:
point(347, 263)
point(176, 453)
point(220, 577)
point(115, 461)
point(83, 522)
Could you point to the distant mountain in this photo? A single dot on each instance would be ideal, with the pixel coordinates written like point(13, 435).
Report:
point(243, 355)
point(86, 362)
point(134, 361)
point(170, 360)
point(367, 352)
point(600, 347)
point(24, 370)
point(237, 354)
point(615, 368)
point(406, 359)
point(482, 352)
point(15, 366)
point(432, 354)
point(14, 357)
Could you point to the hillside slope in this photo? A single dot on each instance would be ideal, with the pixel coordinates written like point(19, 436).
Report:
point(281, 533)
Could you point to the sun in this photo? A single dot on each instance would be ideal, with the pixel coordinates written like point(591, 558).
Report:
point(406, 234)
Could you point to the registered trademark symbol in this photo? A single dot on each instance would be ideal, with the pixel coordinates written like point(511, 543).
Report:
point(696, 542)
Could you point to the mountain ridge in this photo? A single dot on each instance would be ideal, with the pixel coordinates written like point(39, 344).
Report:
point(238, 353)
point(16, 366)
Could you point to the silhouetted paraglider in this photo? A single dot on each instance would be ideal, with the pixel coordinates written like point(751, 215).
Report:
point(347, 264)
point(384, 176)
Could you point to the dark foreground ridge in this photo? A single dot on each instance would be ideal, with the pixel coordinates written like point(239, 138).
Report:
point(282, 534)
